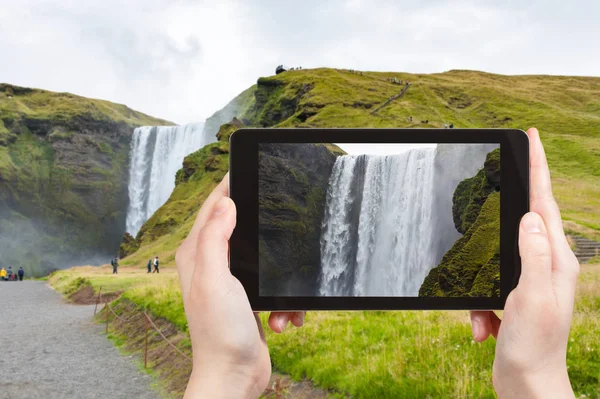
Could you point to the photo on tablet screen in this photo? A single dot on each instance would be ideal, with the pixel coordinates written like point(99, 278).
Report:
point(379, 220)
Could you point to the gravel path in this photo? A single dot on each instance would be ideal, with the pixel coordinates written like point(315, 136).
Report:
point(50, 349)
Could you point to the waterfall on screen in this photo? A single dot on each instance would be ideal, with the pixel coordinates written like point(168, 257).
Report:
point(157, 154)
point(378, 226)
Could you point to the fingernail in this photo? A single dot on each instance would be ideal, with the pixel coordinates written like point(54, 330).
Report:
point(475, 328)
point(281, 323)
point(220, 207)
point(299, 318)
point(532, 223)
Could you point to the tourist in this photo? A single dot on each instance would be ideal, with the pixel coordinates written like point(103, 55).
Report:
point(150, 266)
point(532, 338)
point(21, 273)
point(115, 265)
point(3, 274)
point(155, 265)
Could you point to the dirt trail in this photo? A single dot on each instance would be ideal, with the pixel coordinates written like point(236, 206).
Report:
point(50, 349)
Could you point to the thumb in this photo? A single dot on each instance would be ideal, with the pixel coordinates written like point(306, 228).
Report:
point(535, 251)
point(212, 246)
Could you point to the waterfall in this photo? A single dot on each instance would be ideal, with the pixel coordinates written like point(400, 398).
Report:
point(388, 219)
point(377, 231)
point(157, 153)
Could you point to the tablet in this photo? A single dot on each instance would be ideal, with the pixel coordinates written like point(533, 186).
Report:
point(352, 219)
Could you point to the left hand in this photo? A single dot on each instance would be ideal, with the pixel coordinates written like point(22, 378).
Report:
point(231, 358)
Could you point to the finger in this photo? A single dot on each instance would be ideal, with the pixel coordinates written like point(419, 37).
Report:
point(536, 253)
point(212, 246)
point(261, 332)
point(186, 254)
point(540, 184)
point(542, 201)
point(495, 322)
point(298, 318)
point(480, 325)
point(279, 320)
point(483, 324)
point(222, 190)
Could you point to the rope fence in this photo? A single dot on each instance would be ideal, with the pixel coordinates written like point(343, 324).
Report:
point(148, 323)
point(277, 388)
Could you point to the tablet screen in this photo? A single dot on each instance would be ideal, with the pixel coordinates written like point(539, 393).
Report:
point(379, 220)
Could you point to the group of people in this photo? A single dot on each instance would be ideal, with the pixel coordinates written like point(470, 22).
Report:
point(114, 262)
point(9, 275)
point(155, 263)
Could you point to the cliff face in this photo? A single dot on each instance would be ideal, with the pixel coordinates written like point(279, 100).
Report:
point(63, 177)
point(292, 181)
point(472, 266)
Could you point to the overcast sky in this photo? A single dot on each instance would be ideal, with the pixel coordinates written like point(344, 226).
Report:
point(184, 60)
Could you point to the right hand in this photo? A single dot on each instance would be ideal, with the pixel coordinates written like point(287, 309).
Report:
point(532, 338)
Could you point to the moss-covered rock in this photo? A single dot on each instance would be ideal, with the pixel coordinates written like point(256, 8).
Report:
point(201, 172)
point(63, 177)
point(227, 129)
point(291, 205)
point(472, 266)
point(470, 194)
point(128, 246)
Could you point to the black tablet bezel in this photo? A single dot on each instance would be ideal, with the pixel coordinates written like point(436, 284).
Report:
point(514, 203)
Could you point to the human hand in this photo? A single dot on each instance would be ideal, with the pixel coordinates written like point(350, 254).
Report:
point(231, 358)
point(532, 338)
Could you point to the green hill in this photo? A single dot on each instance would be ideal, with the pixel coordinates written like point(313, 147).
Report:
point(63, 177)
point(389, 354)
point(565, 109)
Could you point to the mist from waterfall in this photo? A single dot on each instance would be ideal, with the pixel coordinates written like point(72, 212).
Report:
point(388, 219)
point(157, 153)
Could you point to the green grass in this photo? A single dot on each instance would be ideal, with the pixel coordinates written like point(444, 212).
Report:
point(564, 109)
point(43, 104)
point(63, 160)
point(561, 107)
point(395, 354)
point(409, 354)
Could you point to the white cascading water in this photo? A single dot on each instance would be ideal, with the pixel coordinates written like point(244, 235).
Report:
point(378, 227)
point(157, 153)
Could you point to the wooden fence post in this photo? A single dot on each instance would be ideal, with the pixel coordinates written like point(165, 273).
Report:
point(146, 340)
point(106, 306)
point(97, 300)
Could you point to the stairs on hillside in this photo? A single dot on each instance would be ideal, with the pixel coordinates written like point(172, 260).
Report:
point(389, 100)
point(585, 249)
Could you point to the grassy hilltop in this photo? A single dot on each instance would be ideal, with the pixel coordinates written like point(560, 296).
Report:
point(566, 110)
point(390, 354)
point(63, 176)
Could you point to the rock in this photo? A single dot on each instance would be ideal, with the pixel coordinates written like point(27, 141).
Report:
point(293, 181)
point(63, 177)
point(128, 246)
point(227, 129)
point(471, 268)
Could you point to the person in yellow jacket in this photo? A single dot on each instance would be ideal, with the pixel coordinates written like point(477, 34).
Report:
point(3, 274)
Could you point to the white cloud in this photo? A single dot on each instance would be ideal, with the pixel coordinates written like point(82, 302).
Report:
point(184, 60)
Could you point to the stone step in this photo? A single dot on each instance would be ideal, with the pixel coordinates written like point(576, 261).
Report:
point(585, 255)
point(590, 242)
